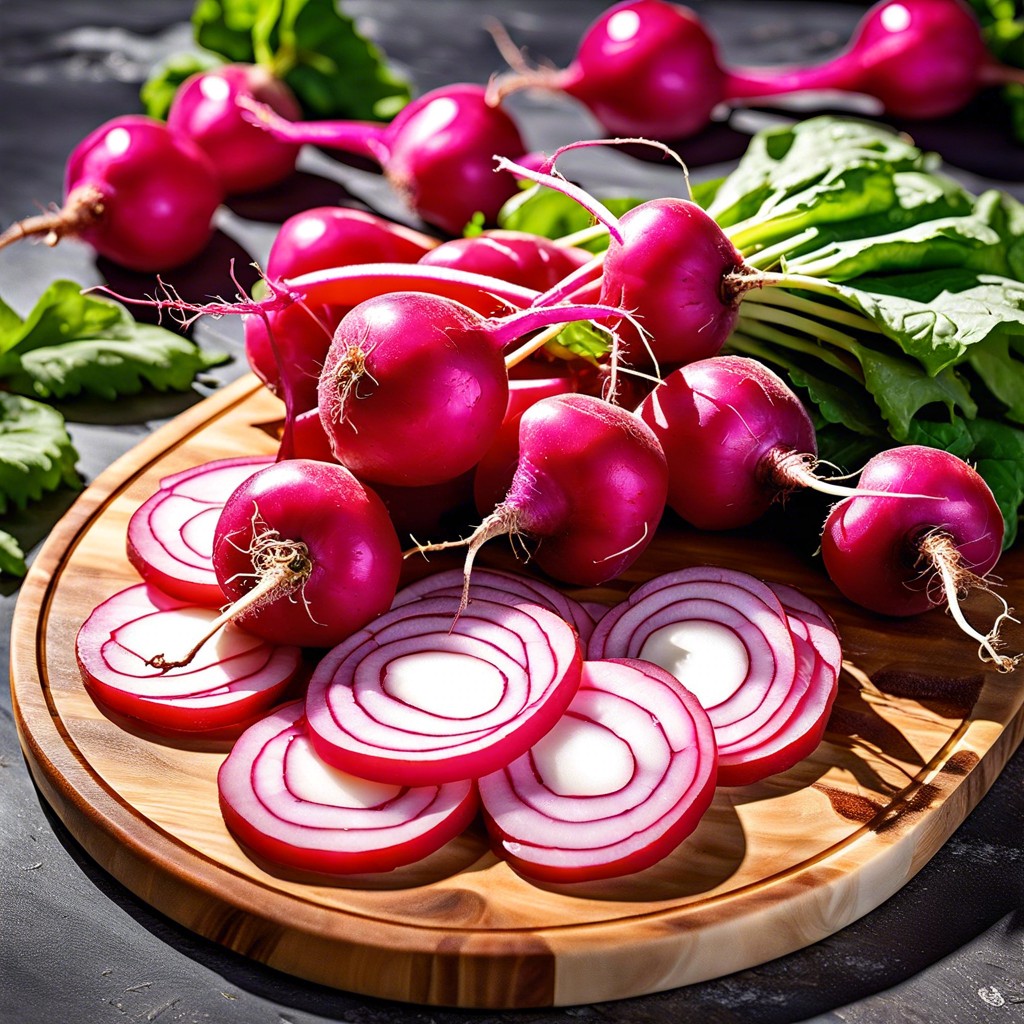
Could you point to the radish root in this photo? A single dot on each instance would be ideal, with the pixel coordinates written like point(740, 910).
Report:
point(84, 207)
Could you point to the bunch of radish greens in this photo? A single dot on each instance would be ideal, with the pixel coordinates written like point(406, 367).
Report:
point(891, 300)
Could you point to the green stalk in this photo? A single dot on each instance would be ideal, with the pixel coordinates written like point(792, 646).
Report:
point(765, 332)
point(820, 310)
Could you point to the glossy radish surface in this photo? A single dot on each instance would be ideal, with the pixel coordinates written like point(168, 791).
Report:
point(138, 193)
point(171, 534)
point(205, 109)
point(622, 779)
point(428, 693)
point(236, 677)
point(284, 804)
point(316, 543)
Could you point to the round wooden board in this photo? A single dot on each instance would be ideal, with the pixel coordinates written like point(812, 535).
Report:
point(919, 732)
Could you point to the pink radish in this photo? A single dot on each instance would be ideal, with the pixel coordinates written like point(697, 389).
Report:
point(643, 68)
point(138, 193)
point(220, 692)
point(429, 693)
point(170, 535)
point(736, 438)
point(414, 387)
point(727, 637)
point(289, 808)
point(903, 555)
point(589, 490)
point(205, 109)
point(919, 58)
point(438, 151)
point(622, 779)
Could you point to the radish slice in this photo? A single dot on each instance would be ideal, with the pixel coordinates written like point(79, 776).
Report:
point(236, 677)
point(503, 587)
point(426, 694)
point(721, 632)
point(614, 787)
point(170, 535)
point(285, 804)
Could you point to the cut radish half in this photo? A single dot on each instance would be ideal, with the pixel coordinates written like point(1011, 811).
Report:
point(614, 787)
point(504, 587)
point(285, 804)
point(426, 694)
point(236, 677)
point(170, 536)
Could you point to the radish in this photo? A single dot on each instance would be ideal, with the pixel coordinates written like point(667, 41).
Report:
point(919, 58)
point(589, 488)
point(903, 555)
point(138, 193)
point(736, 438)
point(437, 153)
point(622, 779)
point(205, 109)
point(722, 633)
point(431, 693)
point(643, 68)
point(499, 585)
point(285, 805)
point(170, 535)
point(220, 692)
point(414, 387)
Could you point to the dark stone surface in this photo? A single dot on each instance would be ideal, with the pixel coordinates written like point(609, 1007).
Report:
point(74, 945)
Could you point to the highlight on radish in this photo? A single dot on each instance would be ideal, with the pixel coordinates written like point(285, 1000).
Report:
point(903, 555)
point(138, 193)
point(285, 805)
point(619, 782)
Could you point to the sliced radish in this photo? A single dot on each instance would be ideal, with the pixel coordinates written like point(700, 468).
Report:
point(235, 677)
point(426, 694)
point(504, 587)
point(170, 535)
point(285, 804)
point(614, 787)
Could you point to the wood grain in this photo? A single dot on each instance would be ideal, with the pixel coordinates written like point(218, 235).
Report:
point(920, 730)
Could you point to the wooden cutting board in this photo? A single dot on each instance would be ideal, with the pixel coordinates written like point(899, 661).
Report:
point(920, 730)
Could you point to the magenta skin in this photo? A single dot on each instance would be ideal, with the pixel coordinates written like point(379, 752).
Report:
point(870, 545)
point(335, 236)
point(590, 487)
point(205, 109)
point(723, 423)
point(921, 58)
point(157, 189)
point(354, 550)
point(671, 269)
point(647, 68)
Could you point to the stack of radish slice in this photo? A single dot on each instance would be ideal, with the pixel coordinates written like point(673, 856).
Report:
point(763, 660)
point(170, 535)
point(285, 804)
point(233, 679)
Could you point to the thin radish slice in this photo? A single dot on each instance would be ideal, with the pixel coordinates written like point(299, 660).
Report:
point(170, 535)
point(426, 694)
point(285, 804)
point(723, 633)
point(235, 677)
point(502, 586)
point(614, 787)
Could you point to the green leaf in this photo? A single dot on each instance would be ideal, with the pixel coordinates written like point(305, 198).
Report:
point(163, 82)
point(541, 211)
point(12, 558)
point(1002, 372)
point(36, 453)
point(583, 339)
point(225, 27)
point(998, 455)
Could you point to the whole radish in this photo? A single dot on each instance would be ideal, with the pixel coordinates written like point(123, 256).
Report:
point(205, 108)
point(919, 58)
point(736, 438)
point(643, 68)
point(438, 152)
point(138, 193)
point(903, 555)
point(414, 387)
point(589, 490)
